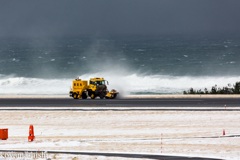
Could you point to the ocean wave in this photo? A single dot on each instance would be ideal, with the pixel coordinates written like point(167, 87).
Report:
point(125, 84)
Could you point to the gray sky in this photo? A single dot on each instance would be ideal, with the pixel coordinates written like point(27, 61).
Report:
point(106, 17)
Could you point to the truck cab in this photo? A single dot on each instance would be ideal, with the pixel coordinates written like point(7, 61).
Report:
point(94, 82)
point(97, 87)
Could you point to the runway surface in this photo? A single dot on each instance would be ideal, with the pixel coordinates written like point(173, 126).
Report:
point(144, 102)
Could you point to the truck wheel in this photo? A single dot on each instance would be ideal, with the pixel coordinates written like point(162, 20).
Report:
point(89, 92)
point(92, 96)
point(101, 95)
point(115, 96)
point(75, 96)
point(84, 96)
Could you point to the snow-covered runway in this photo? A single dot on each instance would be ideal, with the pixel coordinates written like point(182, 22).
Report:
point(156, 132)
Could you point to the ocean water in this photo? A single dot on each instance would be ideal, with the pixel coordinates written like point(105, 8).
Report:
point(132, 64)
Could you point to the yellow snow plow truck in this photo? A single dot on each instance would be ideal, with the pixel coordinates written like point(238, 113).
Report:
point(96, 88)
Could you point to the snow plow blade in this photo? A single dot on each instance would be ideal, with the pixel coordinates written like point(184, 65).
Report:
point(112, 94)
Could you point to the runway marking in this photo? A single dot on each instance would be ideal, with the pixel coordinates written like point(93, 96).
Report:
point(152, 139)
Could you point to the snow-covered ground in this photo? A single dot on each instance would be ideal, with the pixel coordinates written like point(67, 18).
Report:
point(156, 132)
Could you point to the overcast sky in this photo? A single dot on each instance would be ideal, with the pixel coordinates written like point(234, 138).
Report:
point(106, 17)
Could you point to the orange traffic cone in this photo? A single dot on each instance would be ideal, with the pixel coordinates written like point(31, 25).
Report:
point(31, 136)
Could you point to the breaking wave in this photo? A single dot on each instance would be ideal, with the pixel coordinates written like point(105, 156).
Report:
point(125, 84)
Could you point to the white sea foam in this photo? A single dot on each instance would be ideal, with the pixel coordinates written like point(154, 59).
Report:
point(125, 84)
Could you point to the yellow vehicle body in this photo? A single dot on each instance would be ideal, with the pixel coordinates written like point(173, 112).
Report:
point(78, 88)
point(96, 87)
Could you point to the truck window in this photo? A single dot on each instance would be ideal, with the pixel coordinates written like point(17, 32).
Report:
point(101, 82)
